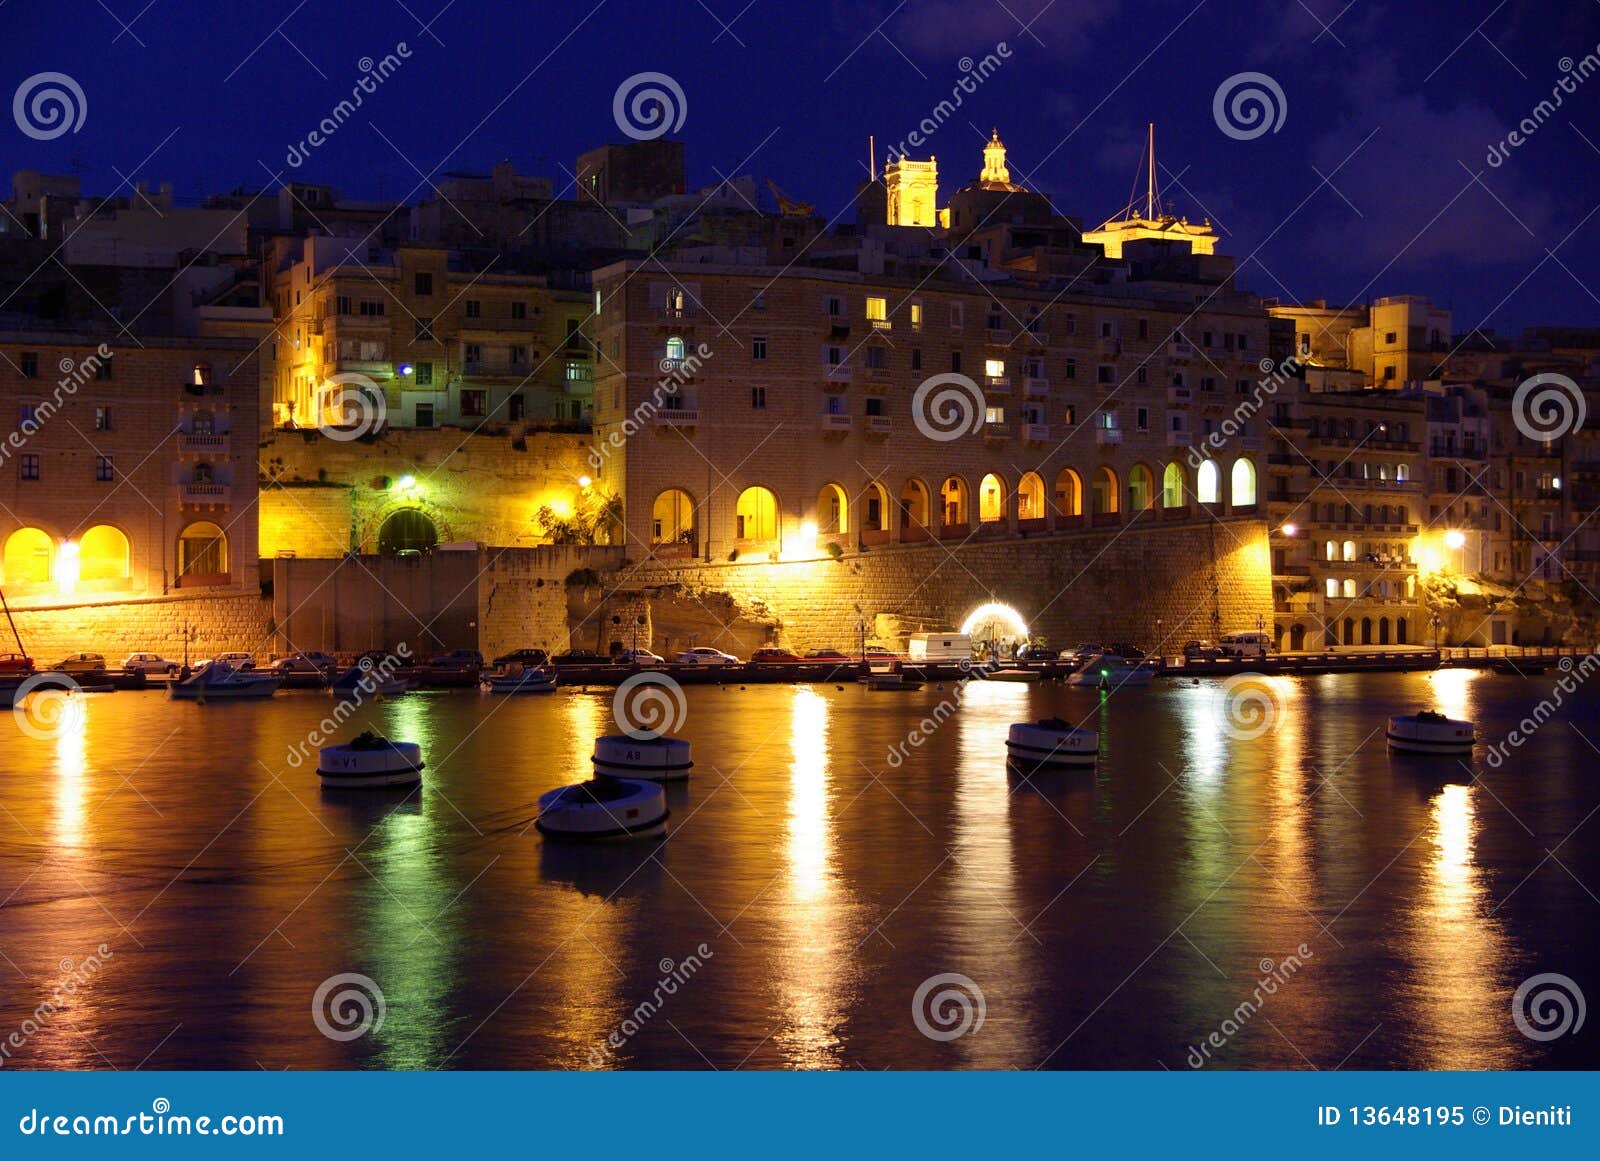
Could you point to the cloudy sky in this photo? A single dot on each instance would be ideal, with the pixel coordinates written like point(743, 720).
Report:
point(1376, 178)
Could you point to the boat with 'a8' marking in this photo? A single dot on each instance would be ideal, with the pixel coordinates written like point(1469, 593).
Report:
point(658, 759)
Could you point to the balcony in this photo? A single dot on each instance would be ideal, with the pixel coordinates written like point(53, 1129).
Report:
point(998, 383)
point(879, 425)
point(1180, 439)
point(678, 368)
point(676, 417)
point(1177, 350)
point(1180, 396)
point(997, 432)
point(207, 445)
point(881, 325)
point(998, 337)
point(833, 424)
point(676, 314)
point(1108, 345)
point(878, 374)
point(206, 495)
point(840, 373)
point(1038, 388)
point(1250, 442)
point(1035, 338)
point(1108, 436)
point(1036, 432)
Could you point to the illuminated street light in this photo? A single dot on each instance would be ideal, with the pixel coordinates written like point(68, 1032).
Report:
point(406, 482)
point(1454, 539)
point(584, 481)
point(1290, 530)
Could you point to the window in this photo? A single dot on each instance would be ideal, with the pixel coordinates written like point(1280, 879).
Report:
point(28, 467)
point(916, 316)
point(424, 415)
point(341, 304)
point(519, 310)
point(102, 369)
point(1105, 373)
point(1072, 324)
point(424, 331)
point(833, 356)
point(424, 373)
point(758, 398)
point(1388, 337)
point(1205, 339)
point(878, 312)
point(372, 307)
point(28, 413)
point(957, 315)
point(1108, 329)
point(1388, 373)
point(102, 469)
point(1227, 341)
point(833, 306)
point(675, 347)
point(875, 405)
point(916, 358)
point(994, 415)
point(474, 308)
point(516, 406)
point(1144, 328)
point(877, 358)
point(474, 403)
point(1072, 415)
point(1140, 374)
point(955, 361)
point(1142, 421)
point(758, 347)
point(424, 284)
point(1305, 343)
point(1072, 369)
point(102, 419)
point(994, 368)
point(1106, 420)
point(1208, 383)
point(519, 356)
point(1241, 386)
point(472, 355)
point(29, 364)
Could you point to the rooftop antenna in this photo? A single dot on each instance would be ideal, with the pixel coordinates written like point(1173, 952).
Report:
point(1150, 186)
point(872, 157)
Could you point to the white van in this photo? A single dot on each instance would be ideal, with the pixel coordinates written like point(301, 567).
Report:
point(1246, 646)
point(939, 647)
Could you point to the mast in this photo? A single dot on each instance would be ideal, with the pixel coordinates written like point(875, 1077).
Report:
point(872, 157)
point(14, 634)
point(1150, 184)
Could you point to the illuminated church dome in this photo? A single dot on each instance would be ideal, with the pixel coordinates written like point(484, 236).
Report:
point(995, 175)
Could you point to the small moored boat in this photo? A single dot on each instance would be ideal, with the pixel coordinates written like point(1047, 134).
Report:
point(889, 677)
point(1051, 742)
point(602, 809)
point(364, 681)
point(1012, 675)
point(1430, 733)
point(1108, 671)
point(661, 759)
point(532, 680)
point(220, 681)
point(370, 760)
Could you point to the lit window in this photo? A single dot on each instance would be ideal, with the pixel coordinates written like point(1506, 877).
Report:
point(994, 368)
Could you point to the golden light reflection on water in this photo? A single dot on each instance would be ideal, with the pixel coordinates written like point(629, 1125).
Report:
point(1457, 948)
point(813, 968)
point(71, 769)
point(1454, 694)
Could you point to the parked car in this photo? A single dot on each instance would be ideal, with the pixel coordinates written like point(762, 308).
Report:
point(237, 660)
point(1087, 650)
point(307, 661)
point(580, 657)
point(457, 659)
point(16, 663)
point(1038, 653)
point(640, 657)
point(826, 655)
point(1123, 649)
point(1251, 645)
point(81, 663)
point(1201, 651)
point(151, 663)
point(879, 653)
point(773, 656)
point(526, 657)
point(705, 655)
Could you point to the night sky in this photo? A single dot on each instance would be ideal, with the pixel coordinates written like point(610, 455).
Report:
point(1396, 104)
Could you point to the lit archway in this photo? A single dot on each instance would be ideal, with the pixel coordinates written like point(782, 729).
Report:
point(991, 499)
point(1207, 486)
point(1243, 489)
point(874, 508)
point(29, 557)
point(914, 506)
point(1105, 492)
point(954, 505)
point(103, 554)
point(672, 518)
point(1141, 488)
point(756, 515)
point(202, 550)
point(1069, 493)
point(408, 530)
point(1172, 487)
point(994, 624)
point(833, 510)
point(1030, 497)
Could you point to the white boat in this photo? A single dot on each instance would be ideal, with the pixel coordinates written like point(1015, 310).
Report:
point(1012, 675)
point(370, 760)
point(367, 682)
point(890, 677)
point(220, 681)
point(1430, 733)
point(604, 809)
point(533, 680)
point(660, 759)
point(1051, 742)
point(1108, 671)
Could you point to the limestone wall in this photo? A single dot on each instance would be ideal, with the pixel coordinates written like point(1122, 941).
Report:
point(241, 620)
